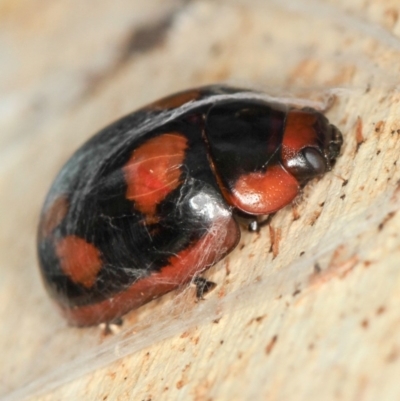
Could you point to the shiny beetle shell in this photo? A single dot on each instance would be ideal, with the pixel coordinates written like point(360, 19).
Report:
point(150, 202)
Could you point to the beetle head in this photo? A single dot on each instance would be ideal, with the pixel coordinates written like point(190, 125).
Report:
point(310, 144)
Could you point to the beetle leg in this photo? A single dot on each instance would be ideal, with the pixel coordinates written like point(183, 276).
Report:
point(266, 222)
point(255, 225)
point(203, 286)
point(112, 327)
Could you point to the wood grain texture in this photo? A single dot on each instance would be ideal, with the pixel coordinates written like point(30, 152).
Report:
point(307, 309)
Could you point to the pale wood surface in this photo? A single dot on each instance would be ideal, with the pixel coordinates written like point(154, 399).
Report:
point(308, 309)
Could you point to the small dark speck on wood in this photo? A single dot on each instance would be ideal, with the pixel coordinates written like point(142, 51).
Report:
point(271, 344)
point(146, 37)
point(317, 268)
point(359, 133)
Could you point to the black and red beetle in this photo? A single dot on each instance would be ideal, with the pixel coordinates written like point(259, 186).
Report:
point(150, 202)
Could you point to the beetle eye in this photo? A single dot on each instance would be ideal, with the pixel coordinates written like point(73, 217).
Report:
point(306, 164)
point(315, 161)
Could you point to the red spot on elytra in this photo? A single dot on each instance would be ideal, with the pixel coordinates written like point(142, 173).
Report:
point(174, 101)
point(180, 269)
point(154, 170)
point(79, 260)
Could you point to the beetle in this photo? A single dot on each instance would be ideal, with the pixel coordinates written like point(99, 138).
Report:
point(151, 201)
